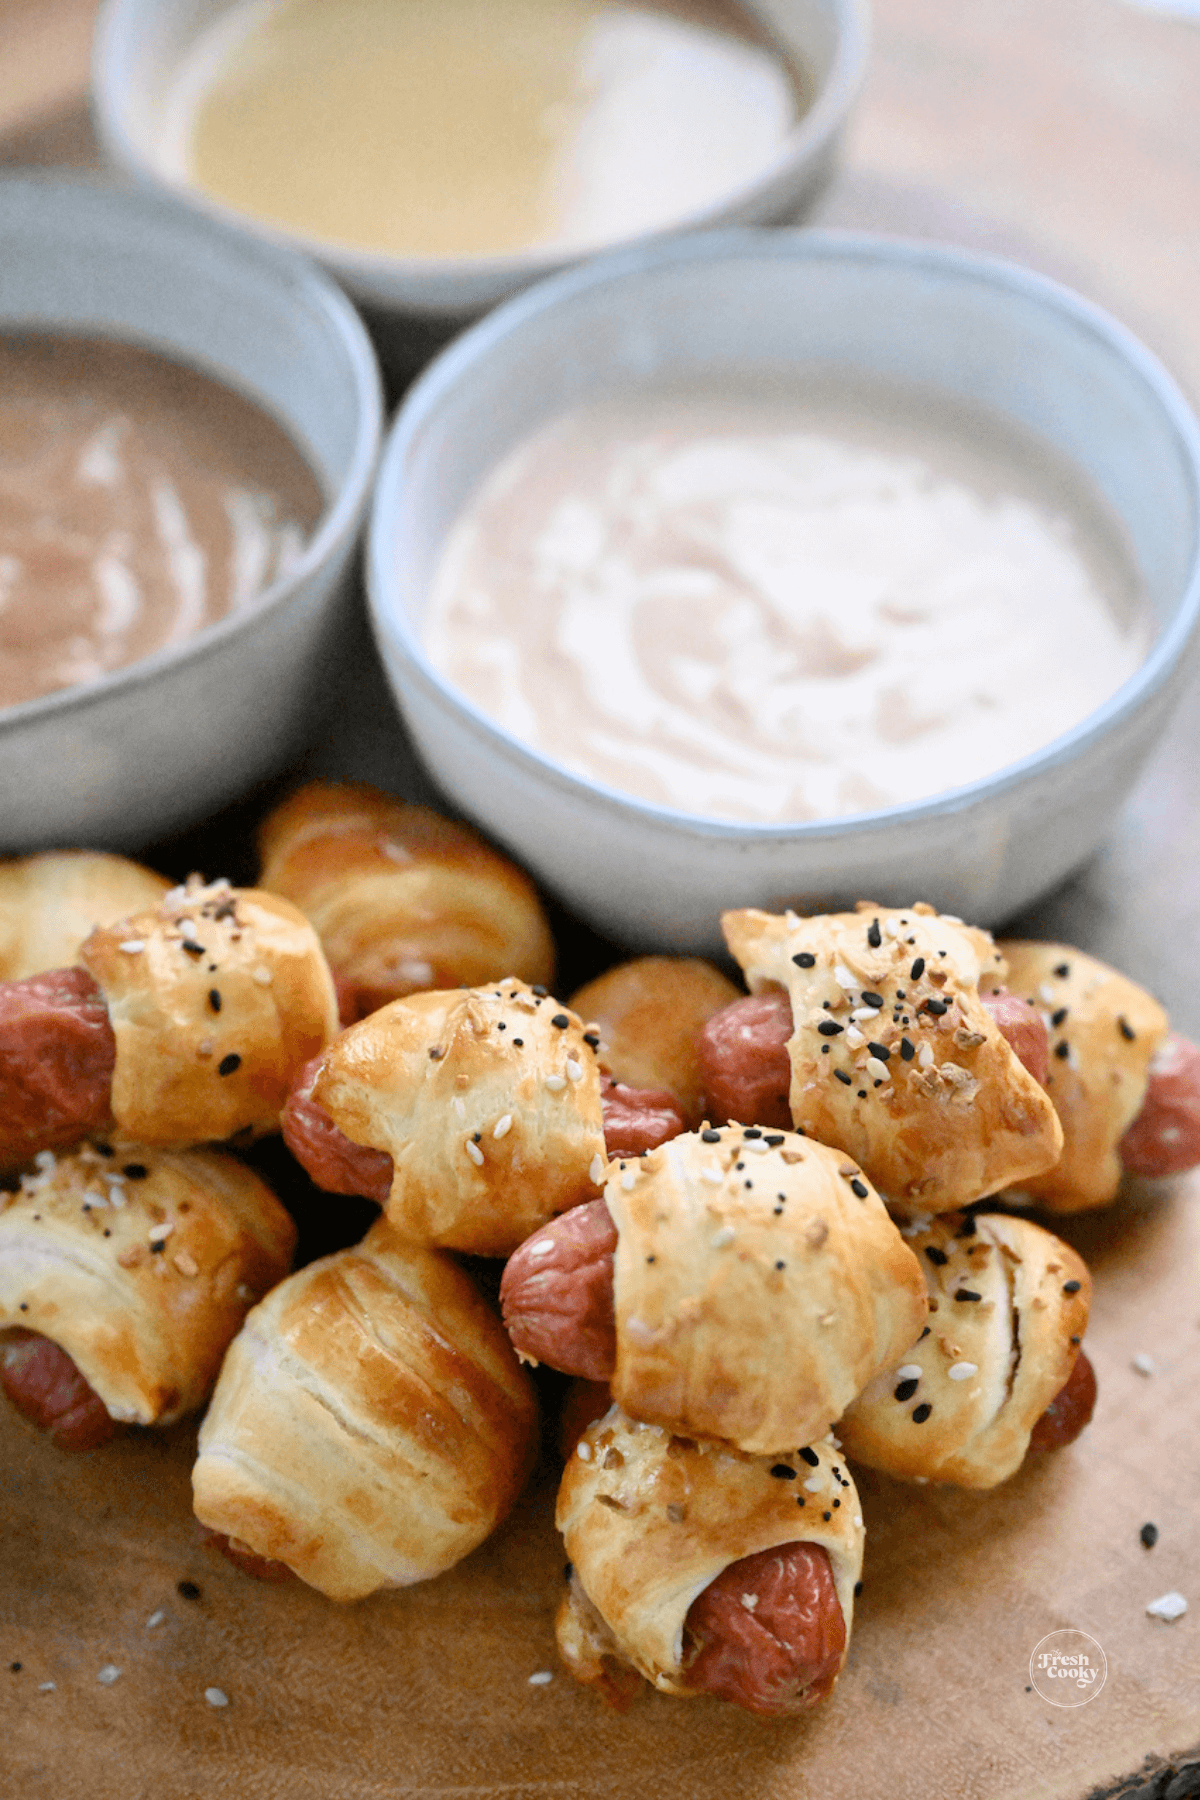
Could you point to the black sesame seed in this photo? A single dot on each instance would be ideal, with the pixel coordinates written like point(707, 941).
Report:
point(830, 1028)
point(752, 1131)
point(15, 1667)
point(874, 935)
point(881, 1051)
point(519, 1043)
point(783, 1471)
point(777, 1210)
point(501, 1026)
point(1072, 1287)
point(837, 1503)
point(158, 1248)
point(739, 1166)
point(229, 1063)
point(568, 1571)
point(592, 1039)
point(774, 1138)
point(710, 1137)
point(187, 1590)
point(924, 1334)
point(106, 1232)
point(905, 1389)
point(843, 1077)
point(937, 1007)
point(1148, 1535)
point(778, 1265)
point(540, 991)
point(1062, 970)
point(193, 949)
point(805, 960)
point(214, 999)
point(968, 1228)
point(827, 1516)
point(810, 1457)
point(907, 1050)
point(651, 1259)
point(1057, 1018)
point(937, 1257)
point(1062, 1051)
point(1077, 1340)
point(921, 1413)
point(560, 1021)
point(799, 1499)
point(824, 1049)
point(135, 1171)
point(870, 999)
point(24, 1306)
point(1126, 1029)
point(862, 1093)
point(857, 1589)
point(859, 1187)
point(917, 970)
point(966, 1294)
point(436, 1053)
point(105, 1149)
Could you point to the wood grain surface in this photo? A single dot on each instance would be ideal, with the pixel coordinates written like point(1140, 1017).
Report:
point(1066, 134)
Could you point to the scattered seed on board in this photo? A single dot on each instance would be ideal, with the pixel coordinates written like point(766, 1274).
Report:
point(216, 1696)
point(542, 1678)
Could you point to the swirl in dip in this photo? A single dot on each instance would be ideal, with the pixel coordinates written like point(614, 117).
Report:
point(778, 602)
point(139, 502)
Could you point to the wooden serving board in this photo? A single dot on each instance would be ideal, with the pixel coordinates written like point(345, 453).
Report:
point(1065, 133)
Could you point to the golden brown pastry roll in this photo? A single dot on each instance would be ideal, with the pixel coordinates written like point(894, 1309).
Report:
point(403, 900)
point(140, 1266)
point(488, 1102)
point(650, 1013)
point(1008, 1310)
point(1106, 1033)
point(704, 1570)
point(49, 904)
point(216, 999)
point(894, 1056)
point(757, 1285)
point(371, 1424)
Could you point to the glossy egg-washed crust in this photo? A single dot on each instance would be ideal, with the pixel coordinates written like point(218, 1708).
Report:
point(141, 1266)
point(948, 1114)
point(650, 1520)
point(488, 1102)
point(650, 1013)
point(1104, 1030)
point(403, 900)
point(217, 998)
point(50, 903)
point(371, 1425)
point(1008, 1309)
point(758, 1285)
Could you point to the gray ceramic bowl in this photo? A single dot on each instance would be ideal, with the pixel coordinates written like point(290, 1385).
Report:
point(965, 324)
point(152, 747)
point(140, 43)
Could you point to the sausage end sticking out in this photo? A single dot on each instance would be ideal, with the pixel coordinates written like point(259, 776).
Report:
point(46, 1388)
point(1069, 1411)
point(557, 1293)
point(769, 1633)
point(1023, 1029)
point(263, 1568)
point(57, 1055)
point(637, 1119)
point(743, 1060)
point(1164, 1139)
point(330, 1158)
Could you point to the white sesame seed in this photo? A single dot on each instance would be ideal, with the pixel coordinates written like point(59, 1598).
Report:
point(584, 1452)
point(216, 1696)
point(892, 927)
point(914, 1227)
point(814, 1484)
point(854, 1037)
point(749, 1601)
point(262, 975)
point(474, 1152)
point(158, 1234)
point(596, 1169)
point(132, 946)
point(950, 918)
point(244, 1292)
point(791, 920)
point(878, 1071)
point(720, 1238)
point(909, 1372)
point(555, 1083)
point(574, 1069)
point(1046, 992)
point(962, 1371)
point(628, 1179)
point(925, 1056)
point(713, 1176)
point(156, 1618)
point(756, 1145)
point(1145, 1365)
point(542, 1678)
point(503, 1126)
point(47, 1687)
point(843, 976)
point(460, 1106)
point(858, 1521)
point(1168, 1606)
point(46, 1161)
point(542, 1247)
point(108, 1674)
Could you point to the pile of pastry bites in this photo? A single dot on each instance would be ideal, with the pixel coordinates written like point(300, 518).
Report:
point(748, 1225)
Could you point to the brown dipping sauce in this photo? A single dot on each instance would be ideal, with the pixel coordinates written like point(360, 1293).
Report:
point(139, 502)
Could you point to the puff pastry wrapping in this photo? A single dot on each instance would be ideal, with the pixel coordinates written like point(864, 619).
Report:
point(49, 903)
point(894, 1057)
point(758, 1284)
point(371, 1424)
point(141, 1266)
point(403, 900)
point(488, 1102)
point(217, 999)
point(1104, 1031)
point(1008, 1308)
point(650, 1520)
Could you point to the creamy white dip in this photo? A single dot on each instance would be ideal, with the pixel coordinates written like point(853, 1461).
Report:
point(779, 603)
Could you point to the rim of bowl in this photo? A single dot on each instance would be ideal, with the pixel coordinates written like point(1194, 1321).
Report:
point(391, 624)
point(812, 133)
point(339, 521)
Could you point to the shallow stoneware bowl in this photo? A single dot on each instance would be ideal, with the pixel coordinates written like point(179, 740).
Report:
point(139, 46)
point(972, 327)
point(149, 748)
